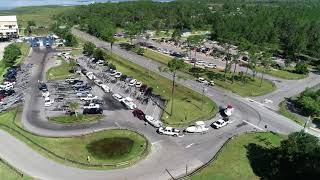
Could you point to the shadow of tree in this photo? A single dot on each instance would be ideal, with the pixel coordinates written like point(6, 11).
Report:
point(261, 159)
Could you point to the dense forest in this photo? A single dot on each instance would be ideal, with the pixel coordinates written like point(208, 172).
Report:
point(292, 27)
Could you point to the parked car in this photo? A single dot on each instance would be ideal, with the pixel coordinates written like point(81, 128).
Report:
point(132, 82)
point(199, 127)
point(93, 111)
point(117, 97)
point(170, 131)
point(153, 122)
point(91, 106)
point(105, 88)
point(48, 102)
point(138, 84)
point(118, 75)
point(45, 94)
point(89, 97)
point(219, 124)
point(128, 102)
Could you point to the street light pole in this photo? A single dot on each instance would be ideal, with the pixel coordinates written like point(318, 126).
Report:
point(202, 96)
point(306, 123)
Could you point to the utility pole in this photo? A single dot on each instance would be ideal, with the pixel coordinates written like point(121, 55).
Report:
point(306, 123)
point(170, 174)
point(202, 96)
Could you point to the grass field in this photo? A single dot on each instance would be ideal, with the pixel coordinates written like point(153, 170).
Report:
point(59, 72)
point(40, 15)
point(75, 148)
point(283, 109)
point(161, 58)
point(284, 74)
point(76, 119)
point(187, 103)
point(233, 163)
point(7, 173)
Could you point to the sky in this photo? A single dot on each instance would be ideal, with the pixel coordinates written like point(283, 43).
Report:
point(9, 4)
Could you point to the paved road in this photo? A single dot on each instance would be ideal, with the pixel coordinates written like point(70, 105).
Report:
point(167, 152)
point(285, 88)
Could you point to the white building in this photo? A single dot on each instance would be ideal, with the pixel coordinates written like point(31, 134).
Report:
point(8, 27)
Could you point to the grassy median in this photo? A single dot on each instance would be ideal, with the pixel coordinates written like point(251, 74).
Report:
point(284, 74)
point(77, 148)
point(283, 109)
point(156, 56)
point(187, 103)
point(60, 72)
point(233, 162)
point(80, 118)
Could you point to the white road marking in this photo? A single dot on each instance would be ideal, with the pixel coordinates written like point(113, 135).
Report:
point(253, 125)
point(117, 124)
point(188, 146)
point(156, 142)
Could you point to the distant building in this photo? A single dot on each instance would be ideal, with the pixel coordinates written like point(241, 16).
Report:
point(9, 27)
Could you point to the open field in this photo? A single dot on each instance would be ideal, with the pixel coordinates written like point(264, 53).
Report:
point(41, 15)
point(233, 162)
point(187, 103)
point(80, 118)
point(283, 74)
point(74, 148)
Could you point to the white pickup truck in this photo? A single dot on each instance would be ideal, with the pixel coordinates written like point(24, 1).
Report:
point(89, 97)
point(170, 131)
point(199, 127)
point(91, 106)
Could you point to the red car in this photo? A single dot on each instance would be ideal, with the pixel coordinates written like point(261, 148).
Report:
point(1, 97)
point(139, 114)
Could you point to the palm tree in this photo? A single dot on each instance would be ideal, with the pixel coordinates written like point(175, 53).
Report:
point(73, 106)
point(266, 62)
point(227, 59)
point(235, 59)
point(173, 66)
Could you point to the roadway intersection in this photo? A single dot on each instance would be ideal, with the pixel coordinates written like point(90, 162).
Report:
point(167, 152)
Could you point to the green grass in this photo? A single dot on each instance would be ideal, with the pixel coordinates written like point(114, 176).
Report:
point(283, 74)
point(283, 109)
point(59, 72)
point(187, 103)
point(164, 59)
point(9, 174)
point(40, 15)
point(251, 88)
point(232, 163)
point(75, 148)
point(76, 119)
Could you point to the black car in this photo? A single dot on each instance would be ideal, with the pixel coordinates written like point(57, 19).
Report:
point(93, 111)
point(97, 101)
point(43, 87)
point(9, 93)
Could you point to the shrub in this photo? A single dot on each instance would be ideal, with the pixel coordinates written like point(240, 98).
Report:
point(301, 68)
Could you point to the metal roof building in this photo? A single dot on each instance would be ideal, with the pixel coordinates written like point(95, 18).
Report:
point(9, 27)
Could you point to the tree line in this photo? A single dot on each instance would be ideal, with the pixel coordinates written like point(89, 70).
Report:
point(11, 53)
point(292, 27)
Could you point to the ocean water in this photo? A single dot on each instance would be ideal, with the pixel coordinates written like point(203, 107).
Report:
point(10, 4)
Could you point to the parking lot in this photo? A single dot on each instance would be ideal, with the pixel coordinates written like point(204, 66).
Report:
point(13, 96)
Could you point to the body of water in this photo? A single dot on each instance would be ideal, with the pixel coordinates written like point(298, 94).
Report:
point(10, 4)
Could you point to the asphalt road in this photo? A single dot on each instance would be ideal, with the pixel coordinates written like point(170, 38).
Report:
point(167, 152)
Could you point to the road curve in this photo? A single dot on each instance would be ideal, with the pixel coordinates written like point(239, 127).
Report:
point(167, 152)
